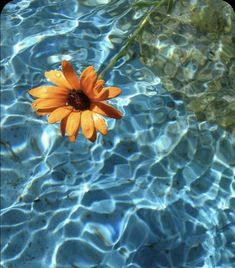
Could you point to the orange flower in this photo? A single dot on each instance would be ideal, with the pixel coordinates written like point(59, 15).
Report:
point(76, 102)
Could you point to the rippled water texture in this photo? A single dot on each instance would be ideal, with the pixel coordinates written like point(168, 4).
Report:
point(157, 191)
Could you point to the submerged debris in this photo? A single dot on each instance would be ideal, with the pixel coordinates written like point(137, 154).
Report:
point(192, 50)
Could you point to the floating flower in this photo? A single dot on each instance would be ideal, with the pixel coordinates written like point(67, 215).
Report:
point(76, 103)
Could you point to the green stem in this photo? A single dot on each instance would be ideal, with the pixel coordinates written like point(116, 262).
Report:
point(131, 38)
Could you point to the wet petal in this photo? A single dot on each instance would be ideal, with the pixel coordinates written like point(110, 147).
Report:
point(107, 93)
point(59, 113)
point(100, 123)
point(105, 109)
point(48, 92)
point(87, 80)
point(57, 78)
point(48, 103)
point(70, 74)
point(73, 123)
point(87, 124)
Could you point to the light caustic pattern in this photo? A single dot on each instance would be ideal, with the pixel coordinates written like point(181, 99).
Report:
point(157, 191)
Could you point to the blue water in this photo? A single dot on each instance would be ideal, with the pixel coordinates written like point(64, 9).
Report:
point(157, 191)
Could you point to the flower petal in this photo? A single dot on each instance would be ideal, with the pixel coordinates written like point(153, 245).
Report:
point(93, 137)
point(48, 103)
point(105, 109)
point(87, 80)
point(113, 91)
point(70, 74)
point(57, 78)
point(100, 123)
point(72, 138)
point(107, 93)
point(87, 124)
point(99, 85)
point(102, 95)
point(59, 113)
point(44, 111)
point(48, 92)
point(73, 123)
point(63, 125)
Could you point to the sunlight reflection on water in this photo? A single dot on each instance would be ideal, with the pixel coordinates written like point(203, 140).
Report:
point(157, 191)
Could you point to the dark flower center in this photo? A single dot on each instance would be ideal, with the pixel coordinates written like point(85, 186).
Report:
point(78, 100)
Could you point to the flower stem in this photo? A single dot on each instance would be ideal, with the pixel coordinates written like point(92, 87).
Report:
point(130, 40)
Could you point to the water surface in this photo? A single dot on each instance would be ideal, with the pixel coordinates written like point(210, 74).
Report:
point(157, 191)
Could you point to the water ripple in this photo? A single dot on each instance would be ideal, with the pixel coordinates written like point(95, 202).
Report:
point(157, 191)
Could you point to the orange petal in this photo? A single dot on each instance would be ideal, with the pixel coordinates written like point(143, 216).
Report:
point(72, 138)
point(59, 113)
point(113, 92)
point(48, 92)
point(100, 123)
point(99, 85)
point(63, 125)
point(70, 74)
point(48, 103)
point(87, 124)
point(73, 123)
point(45, 111)
point(93, 137)
point(57, 78)
point(105, 109)
point(87, 80)
point(102, 95)
point(107, 93)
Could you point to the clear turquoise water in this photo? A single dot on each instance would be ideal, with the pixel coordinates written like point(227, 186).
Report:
point(157, 191)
